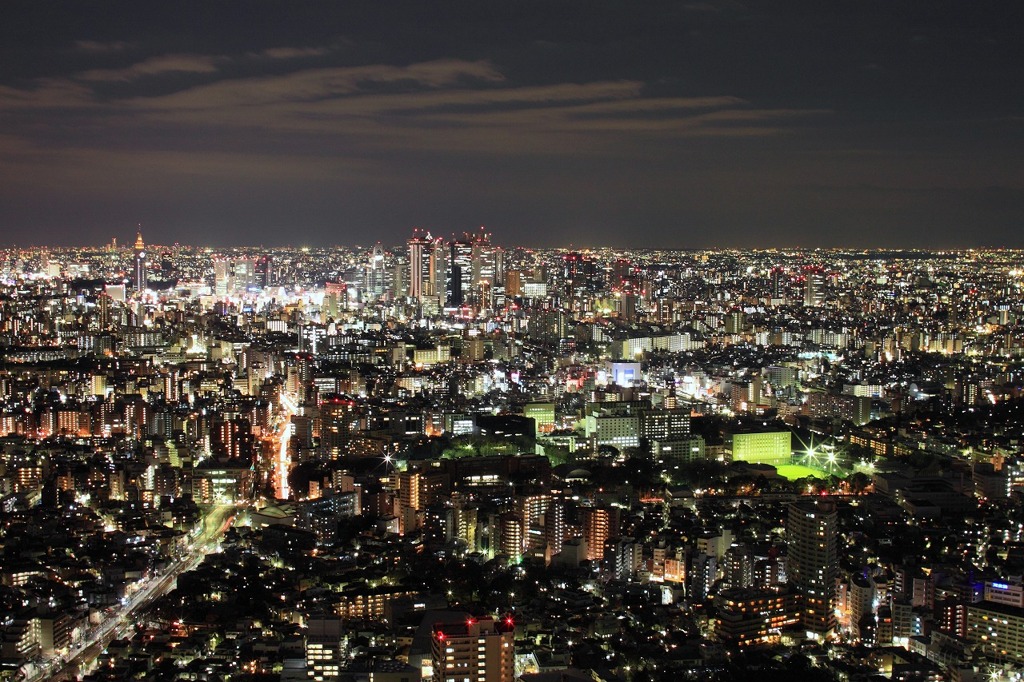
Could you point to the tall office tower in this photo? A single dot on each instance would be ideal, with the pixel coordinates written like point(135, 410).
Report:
point(438, 269)
point(813, 561)
point(399, 283)
point(499, 265)
point(484, 257)
point(141, 276)
point(814, 286)
point(221, 277)
point(245, 274)
point(420, 280)
point(514, 283)
point(265, 271)
point(460, 268)
point(498, 282)
point(376, 273)
point(474, 268)
point(453, 285)
point(104, 302)
point(623, 275)
point(579, 278)
point(599, 524)
point(777, 274)
point(476, 650)
point(335, 298)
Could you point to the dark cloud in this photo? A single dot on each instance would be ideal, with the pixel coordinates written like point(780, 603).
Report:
point(96, 47)
point(655, 123)
point(154, 66)
point(294, 52)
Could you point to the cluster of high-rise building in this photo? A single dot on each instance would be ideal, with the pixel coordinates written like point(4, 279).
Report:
point(456, 460)
point(462, 273)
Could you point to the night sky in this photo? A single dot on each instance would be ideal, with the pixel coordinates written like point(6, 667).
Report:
point(636, 124)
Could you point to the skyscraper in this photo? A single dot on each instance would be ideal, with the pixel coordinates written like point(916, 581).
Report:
point(265, 271)
point(460, 272)
point(141, 276)
point(811, 536)
point(222, 279)
point(438, 269)
point(244, 274)
point(375, 281)
point(777, 282)
point(814, 286)
point(475, 271)
point(578, 278)
point(485, 260)
point(421, 279)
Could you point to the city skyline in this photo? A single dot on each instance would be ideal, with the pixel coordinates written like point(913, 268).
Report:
point(124, 240)
point(702, 125)
point(452, 459)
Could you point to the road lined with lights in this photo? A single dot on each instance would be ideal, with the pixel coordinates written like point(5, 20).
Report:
point(215, 524)
point(283, 460)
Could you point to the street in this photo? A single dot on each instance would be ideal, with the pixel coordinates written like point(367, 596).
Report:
point(118, 624)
